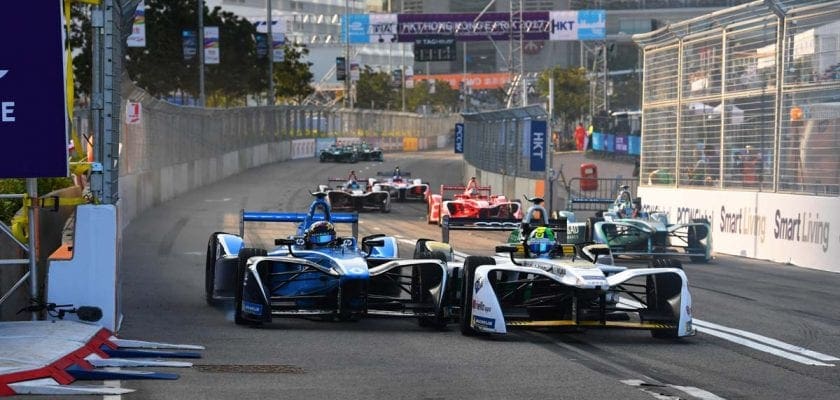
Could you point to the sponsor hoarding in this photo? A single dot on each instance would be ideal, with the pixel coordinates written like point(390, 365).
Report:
point(211, 45)
point(138, 27)
point(33, 102)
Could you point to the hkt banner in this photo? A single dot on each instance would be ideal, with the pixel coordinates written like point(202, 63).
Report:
point(537, 145)
point(33, 102)
point(537, 25)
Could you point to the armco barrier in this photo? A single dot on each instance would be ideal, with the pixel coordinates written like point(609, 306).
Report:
point(771, 226)
point(303, 148)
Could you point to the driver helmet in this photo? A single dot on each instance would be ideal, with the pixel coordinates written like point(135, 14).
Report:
point(541, 241)
point(320, 233)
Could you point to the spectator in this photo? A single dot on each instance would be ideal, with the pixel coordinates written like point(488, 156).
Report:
point(750, 167)
point(580, 135)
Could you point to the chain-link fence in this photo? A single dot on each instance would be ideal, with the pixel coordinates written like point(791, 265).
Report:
point(756, 104)
point(170, 134)
point(497, 141)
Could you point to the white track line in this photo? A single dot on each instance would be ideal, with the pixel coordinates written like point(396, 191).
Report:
point(767, 340)
point(762, 347)
point(692, 391)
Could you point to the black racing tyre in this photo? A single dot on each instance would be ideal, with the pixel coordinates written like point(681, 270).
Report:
point(322, 158)
point(659, 288)
point(423, 278)
point(467, 285)
point(244, 254)
point(695, 235)
point(210, 271)
point(590, 228)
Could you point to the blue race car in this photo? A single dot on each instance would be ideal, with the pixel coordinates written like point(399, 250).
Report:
point(317, 273)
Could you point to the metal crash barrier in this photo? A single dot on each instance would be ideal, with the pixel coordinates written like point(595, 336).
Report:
point(603, 195)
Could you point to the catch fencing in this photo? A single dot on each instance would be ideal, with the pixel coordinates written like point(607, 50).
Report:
point(757, 100)
point(168, 134)
point(497, 141)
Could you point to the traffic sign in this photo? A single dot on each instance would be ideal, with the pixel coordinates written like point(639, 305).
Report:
point(33, 103)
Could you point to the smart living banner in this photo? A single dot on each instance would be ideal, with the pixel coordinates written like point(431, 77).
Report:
point(538, 25)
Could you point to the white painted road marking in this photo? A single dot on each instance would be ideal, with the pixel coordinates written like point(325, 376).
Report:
point(767, 340)
point(692, 391)
point(755, 341)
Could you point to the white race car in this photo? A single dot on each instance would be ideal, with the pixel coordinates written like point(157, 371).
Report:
point(544, 283)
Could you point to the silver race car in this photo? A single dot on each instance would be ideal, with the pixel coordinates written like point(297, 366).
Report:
point(629, 231)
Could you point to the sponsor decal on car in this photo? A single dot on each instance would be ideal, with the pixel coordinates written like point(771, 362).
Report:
point(483, 322)
point(251, 308)
point(479, 306)
point(479, 283)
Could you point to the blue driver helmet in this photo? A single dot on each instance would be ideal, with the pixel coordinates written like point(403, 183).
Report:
point(541, 241)
point(320, 233)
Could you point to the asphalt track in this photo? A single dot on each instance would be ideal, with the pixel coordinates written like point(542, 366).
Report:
point(741, 306)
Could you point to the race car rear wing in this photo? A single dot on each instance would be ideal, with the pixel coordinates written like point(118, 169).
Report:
point(496, 224)
point(482, 190)
point(265, 216)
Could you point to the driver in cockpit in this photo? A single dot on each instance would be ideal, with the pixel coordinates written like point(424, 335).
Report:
point(472, 187)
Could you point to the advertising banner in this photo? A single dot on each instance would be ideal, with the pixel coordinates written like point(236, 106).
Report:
point(382, 28)
point(211, 45)
point(189, 44)
point(261, 40)
point(538, 137)
point(479, 81)
point(465, 27)
point(33, 103)
point(278, 46)
point(498, 26)
point(459, 138)
point(354, 28)
point(592, 25)
point(785, 228)
point(138, 28)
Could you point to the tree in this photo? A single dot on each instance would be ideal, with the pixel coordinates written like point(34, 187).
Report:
point(160, 67)
point(444, 98)
point(292, 77)
point(626, 93)
point(374, 90)
point(571, 92)
point(80, 43)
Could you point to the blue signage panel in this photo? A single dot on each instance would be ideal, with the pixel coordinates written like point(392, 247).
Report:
point(459, 138)
point(355, 28)
point(33, 114)
point(537, 145)
point(592, 25)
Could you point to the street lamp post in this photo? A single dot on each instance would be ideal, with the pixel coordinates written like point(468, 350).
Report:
point(269, 21)
point(201, 53)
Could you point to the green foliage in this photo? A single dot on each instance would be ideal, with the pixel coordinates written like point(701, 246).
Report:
point(374, 91)
point(292, 77)
point(571, 91)
point(80, 41)
point(161, 70)
point(626, 93)
point(444, 98)
point(8, 207)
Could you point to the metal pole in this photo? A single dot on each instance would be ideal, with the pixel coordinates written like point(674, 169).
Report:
point(403, 75)
point(606, 73)
point(347, 79)
point(34, 289)
point(201, 53)
point(550, 151)
point(464, 78)
point(269, 21)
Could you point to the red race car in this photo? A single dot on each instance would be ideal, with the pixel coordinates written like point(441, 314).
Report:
point(457, 201)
